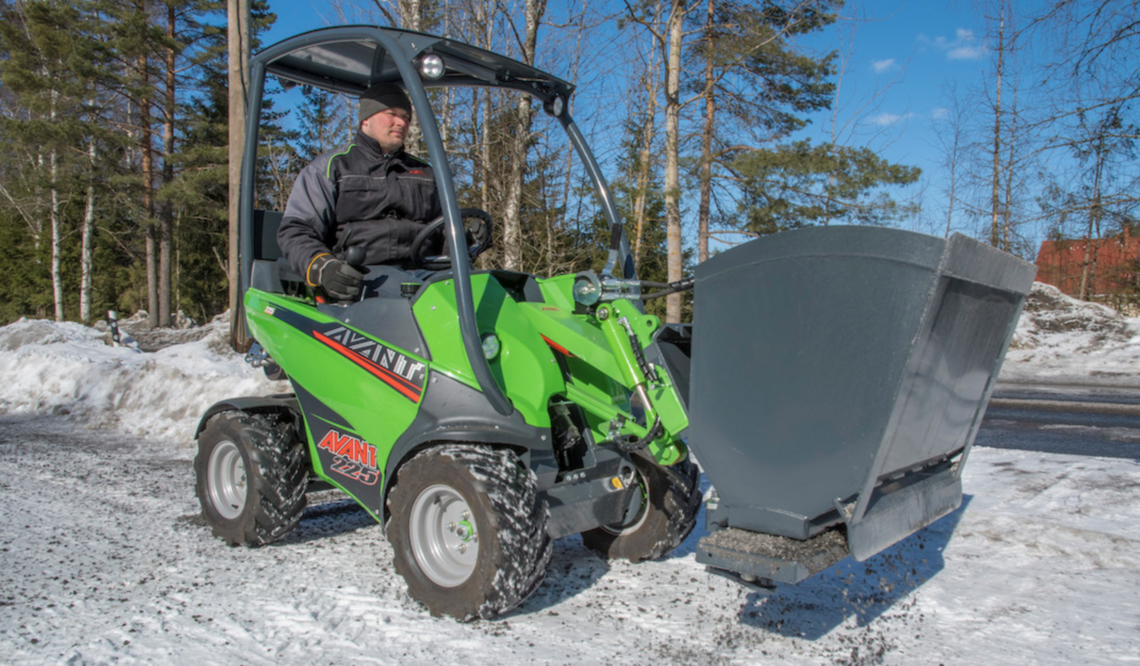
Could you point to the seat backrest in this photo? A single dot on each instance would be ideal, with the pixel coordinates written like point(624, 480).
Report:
point(265, 224)
point(269, 269)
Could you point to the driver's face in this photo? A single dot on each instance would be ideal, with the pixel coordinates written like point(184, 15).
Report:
point(388, 128)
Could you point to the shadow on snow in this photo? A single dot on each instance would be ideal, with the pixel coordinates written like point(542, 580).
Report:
point(849, 589)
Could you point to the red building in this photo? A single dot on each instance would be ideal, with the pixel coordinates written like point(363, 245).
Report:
point(1114, 266)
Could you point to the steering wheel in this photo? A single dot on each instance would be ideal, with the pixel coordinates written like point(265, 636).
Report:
point(477, 227)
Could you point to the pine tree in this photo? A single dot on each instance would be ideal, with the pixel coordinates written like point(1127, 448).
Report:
point(798, 184)
point(323, 123)
point(52, 67)
point(757, 84)
point(200, 191)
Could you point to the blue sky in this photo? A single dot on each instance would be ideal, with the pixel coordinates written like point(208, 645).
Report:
point(900, 57)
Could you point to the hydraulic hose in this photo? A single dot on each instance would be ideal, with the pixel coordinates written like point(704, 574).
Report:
point(667, 288)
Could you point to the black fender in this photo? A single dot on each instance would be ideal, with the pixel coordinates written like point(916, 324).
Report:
point(455, 413)
point(263, 403)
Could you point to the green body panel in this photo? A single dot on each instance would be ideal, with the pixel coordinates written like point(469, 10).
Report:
point(578, 334)
point(601, 367)
point(558, 291)
point(524, 368)
point(339, 382)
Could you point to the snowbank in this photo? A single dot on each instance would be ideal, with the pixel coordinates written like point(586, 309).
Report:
point(1062, 339)
point(69, 369)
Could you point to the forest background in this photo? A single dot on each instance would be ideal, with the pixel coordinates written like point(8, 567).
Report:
point(113, 113)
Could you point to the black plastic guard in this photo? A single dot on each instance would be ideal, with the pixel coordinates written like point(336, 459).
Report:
point(283, 401)
point(454, 412)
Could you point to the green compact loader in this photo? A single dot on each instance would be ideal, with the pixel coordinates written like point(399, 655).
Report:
point(831, 383)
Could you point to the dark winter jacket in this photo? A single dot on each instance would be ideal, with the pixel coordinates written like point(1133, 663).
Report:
point(357, 195)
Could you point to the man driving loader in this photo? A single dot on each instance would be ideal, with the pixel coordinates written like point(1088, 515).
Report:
point(370, 193)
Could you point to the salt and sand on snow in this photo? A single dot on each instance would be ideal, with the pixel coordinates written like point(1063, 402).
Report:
point(106, 560)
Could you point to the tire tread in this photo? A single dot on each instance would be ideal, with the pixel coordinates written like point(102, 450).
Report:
point(277, 473)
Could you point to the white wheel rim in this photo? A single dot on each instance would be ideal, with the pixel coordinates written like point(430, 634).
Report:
point(444, 536)
point(226, 481)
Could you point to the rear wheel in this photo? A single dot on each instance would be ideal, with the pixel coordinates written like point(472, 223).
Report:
point(251, 477)
point(659, 517)
point(468, 530)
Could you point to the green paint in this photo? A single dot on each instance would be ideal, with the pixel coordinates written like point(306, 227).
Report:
point(335, 380)
point(328, 165)
point(539, 343)
point(525, 368)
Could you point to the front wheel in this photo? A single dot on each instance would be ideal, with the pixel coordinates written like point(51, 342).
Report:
point(659, 517)
point(468, 530)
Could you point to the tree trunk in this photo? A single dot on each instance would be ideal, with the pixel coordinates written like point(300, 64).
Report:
point(485, 14)
point(1092, 236)
point(512, 212)
point(56, 223)
point(411, 18)
point(166, 229)
point(953, 183)
point(706, 140)
point(147, 159)
point(86, 259)
point(1007, 209)
point(672, 158)
point(56, 236)
point(484, 159)
point(516, 174)
point(411, 15)
point(238, 36)
point(995, 199)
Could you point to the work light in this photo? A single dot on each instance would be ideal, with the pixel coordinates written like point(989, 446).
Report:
point(431, 66)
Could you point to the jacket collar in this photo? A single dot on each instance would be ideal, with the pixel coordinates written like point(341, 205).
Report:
point(372, 146)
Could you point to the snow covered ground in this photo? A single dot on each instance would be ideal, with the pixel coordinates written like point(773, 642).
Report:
point(106, 559)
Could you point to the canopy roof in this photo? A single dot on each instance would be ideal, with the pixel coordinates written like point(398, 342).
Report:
point(348, 59)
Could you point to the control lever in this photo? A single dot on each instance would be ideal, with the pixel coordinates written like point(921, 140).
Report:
point(354, 256)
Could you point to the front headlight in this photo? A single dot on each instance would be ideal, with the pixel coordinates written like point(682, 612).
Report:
point(491, 346)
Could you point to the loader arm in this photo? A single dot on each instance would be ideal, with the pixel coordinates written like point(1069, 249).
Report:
point(606, 347)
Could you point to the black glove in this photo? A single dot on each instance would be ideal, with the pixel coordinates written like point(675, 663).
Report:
point(336, 277)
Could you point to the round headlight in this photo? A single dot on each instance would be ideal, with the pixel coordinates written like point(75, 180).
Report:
point(431, 66)
point(490, 346)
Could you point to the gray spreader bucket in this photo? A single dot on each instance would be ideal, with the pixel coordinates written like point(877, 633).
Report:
point(839, 375)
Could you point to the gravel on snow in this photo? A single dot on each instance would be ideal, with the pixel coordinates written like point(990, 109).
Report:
point(107, 561)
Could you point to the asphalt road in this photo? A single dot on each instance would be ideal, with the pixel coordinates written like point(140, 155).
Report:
point(1073, 419)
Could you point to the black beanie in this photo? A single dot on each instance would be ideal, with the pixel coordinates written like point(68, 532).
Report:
point(382, 96)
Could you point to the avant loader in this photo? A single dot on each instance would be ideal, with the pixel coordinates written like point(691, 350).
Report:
point(831, 383)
